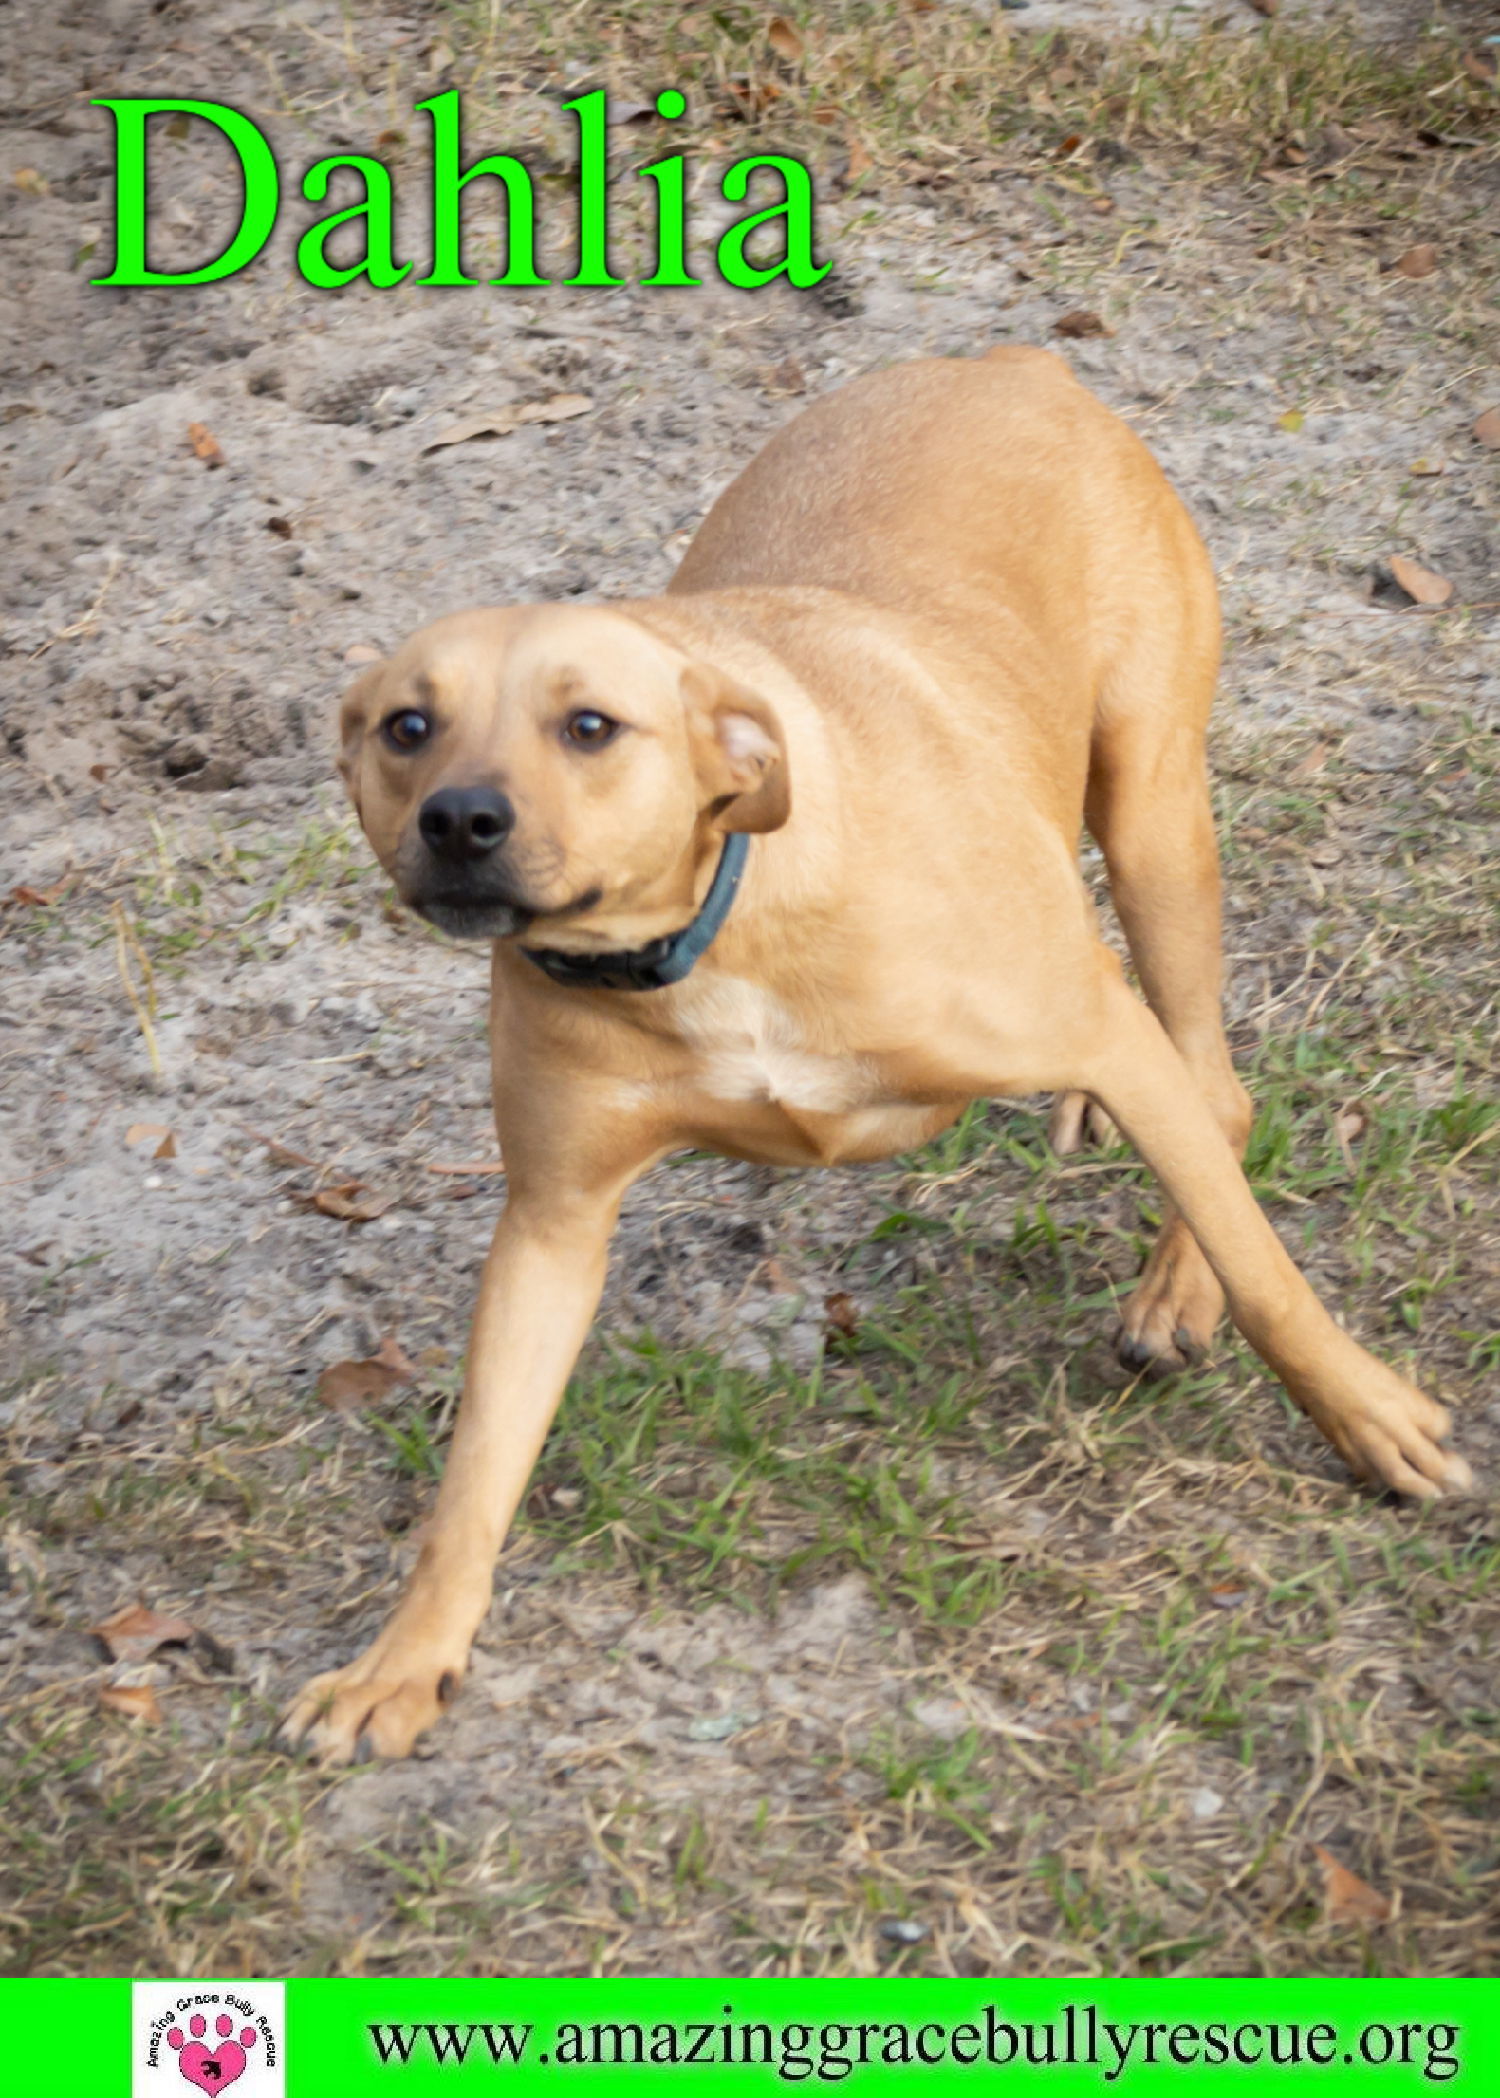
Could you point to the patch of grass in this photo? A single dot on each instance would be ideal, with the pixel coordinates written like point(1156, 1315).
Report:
point(923, 89)
point(174, 1859)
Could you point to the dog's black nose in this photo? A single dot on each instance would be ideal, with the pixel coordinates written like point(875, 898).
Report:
point(465, 823)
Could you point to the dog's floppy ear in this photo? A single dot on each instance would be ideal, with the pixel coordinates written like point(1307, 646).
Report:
point(739, 750)
point(355, 708)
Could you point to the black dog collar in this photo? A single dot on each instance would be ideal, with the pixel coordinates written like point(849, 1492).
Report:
point(660, 962)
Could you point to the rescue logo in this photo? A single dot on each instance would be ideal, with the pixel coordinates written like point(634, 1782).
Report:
point(209, 2035)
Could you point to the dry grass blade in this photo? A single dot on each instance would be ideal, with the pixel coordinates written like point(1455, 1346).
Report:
point(128, 951)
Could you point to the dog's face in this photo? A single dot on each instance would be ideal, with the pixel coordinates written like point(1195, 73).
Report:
point(555, 764)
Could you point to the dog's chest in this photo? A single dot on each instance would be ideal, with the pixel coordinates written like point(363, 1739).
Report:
point(747, 1047)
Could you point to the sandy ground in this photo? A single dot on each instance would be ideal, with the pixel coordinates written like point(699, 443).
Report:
point(176, 634)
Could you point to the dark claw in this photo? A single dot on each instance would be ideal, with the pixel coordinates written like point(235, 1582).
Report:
point(1134, 1353)
point(364, 1747)
point(1191, 1351)
point(447, 1688)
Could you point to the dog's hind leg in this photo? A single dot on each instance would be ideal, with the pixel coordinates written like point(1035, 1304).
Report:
point(1381, 1424)
point(1148, 808)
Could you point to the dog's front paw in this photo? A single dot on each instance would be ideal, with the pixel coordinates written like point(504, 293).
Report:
point(1390, 1433)
point(377, 1706)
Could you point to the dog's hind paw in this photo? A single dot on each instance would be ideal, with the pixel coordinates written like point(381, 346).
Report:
point(1077, 1120)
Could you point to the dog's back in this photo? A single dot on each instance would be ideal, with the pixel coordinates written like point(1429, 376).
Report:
point(933, 483)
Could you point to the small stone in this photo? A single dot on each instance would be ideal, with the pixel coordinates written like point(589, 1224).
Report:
point(943, 1716)
point(902, 1930)
point(1204, 1803)
point(720, 1727)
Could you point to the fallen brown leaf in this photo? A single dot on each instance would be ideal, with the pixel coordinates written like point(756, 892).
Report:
point(1487, 428)
point(345, 1385)
point(23, 892)
point(498, 424)
point(502, 421)
point(352, 1202)
point(1421, 584)
point(841, 1312)
point(1482, 66)
point(560, 409)
point(361, 652)
point(785, 40)
point(146, 1133)
point(134, 1633)
point(167, 1148)
point(30, 182)
point(1346, 1897)
point(1349, 1124)
point(785, 378)
point(745, 98)
point(860, 162)
point(134, 1701)
point(1079, 324)
point(205, 444)
point(1315, 760)
point(278, 1153)
point(1419, 261)
point(1269, 8)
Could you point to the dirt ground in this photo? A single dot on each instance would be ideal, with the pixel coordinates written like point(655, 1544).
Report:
point(900, 1633)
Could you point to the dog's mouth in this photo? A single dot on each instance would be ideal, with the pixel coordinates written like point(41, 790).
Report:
point(467, 916)
point(473, 917)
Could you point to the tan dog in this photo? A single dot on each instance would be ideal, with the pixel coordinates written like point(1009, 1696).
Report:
point(946, 617)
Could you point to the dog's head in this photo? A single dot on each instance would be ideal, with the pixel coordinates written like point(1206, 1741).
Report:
point(554, 763)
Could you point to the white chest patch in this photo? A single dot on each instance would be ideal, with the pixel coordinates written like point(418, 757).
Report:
point(749, 1048)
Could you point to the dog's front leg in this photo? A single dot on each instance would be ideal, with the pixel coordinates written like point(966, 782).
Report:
point(1383, 1426)
point(537, 1296)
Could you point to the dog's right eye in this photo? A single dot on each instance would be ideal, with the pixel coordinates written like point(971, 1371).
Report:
point(407, 730)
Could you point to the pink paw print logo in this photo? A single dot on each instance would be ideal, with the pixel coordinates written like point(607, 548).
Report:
point(212, 2068)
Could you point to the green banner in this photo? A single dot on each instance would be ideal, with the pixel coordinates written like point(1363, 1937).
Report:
point(342, 2039)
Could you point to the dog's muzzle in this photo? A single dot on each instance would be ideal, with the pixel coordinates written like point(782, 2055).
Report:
point(459, 889)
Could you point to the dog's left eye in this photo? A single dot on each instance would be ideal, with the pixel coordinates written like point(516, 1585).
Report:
point(588, 729)
point(407, 730)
